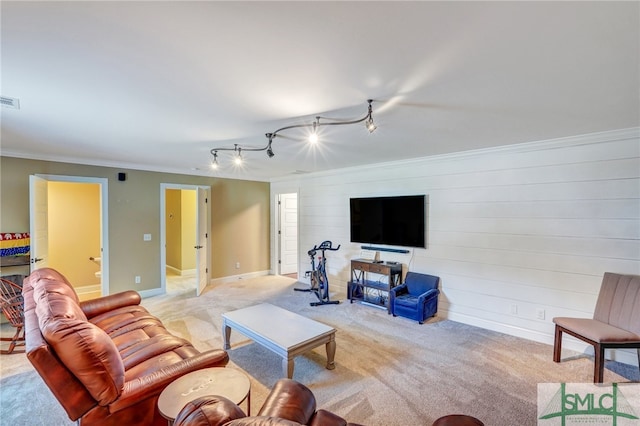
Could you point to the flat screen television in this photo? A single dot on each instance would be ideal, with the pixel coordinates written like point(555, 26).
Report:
point(395, 221)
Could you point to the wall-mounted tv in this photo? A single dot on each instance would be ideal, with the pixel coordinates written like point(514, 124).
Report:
point(395, 221)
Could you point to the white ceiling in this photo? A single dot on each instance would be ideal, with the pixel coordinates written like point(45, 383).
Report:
point(155, 85)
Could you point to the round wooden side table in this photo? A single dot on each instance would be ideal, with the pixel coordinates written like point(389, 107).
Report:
point(228, 382)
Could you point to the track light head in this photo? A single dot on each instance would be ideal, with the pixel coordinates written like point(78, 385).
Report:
point(269, 149)
point(238, 160)
point(371, 126)
point(214, 163)
point(313, 137)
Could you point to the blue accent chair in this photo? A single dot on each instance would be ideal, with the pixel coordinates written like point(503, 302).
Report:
point(416, 298)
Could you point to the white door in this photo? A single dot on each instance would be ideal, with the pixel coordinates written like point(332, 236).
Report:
point(39, 222)
point(202, 271)
point(288, 233)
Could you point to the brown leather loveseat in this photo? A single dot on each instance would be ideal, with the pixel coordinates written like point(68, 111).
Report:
point(106, 360)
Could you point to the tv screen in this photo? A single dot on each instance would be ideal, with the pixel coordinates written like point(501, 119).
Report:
point(395, 221)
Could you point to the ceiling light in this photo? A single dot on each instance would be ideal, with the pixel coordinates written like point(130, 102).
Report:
point(214, 163)
point(238, 159)
point(313, 137)
point(371, 126)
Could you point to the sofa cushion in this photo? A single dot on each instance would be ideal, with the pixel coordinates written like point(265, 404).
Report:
point(86, 350)
point(89, 354)
point(54, 281)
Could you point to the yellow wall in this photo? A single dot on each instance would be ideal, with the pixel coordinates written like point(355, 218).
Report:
point(181, 211)
point(74, 230)
point(173, 220)
point(239, 209)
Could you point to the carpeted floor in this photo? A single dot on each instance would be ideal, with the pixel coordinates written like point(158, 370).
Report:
point(389, 371)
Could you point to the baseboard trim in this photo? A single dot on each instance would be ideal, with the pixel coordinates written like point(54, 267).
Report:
point(85, 289)
point(620, 355)
point(149, 293)
point(181, 272)
point(234, 278)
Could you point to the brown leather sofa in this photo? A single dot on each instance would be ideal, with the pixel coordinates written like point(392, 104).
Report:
point(106, 360)
point(289, 403)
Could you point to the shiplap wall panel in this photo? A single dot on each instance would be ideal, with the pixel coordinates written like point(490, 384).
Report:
point(533, 225)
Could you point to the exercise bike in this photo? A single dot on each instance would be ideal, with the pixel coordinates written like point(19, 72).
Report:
point(318, 274)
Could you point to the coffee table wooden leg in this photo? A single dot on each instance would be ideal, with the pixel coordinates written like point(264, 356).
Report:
point(331, 353)
point(287, 366)
point(226, 336)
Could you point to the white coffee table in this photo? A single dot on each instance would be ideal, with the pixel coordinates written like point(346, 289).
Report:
point(283, 332)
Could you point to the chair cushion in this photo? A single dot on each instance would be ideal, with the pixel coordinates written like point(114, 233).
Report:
point(289, 400)
point(89, 354)
point(208, 410)
point(55, 282)
point(406, 300)
point(262, 421)
point(596, 330)
point(86, 350)
point(420, 283)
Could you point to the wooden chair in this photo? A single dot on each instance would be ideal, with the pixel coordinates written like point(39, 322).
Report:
point(12, 305)
point(615, 323)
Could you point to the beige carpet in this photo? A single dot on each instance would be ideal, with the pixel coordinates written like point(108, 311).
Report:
point(389, 371)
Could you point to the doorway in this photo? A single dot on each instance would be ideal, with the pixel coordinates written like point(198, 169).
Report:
point(185, 246)
point(69, 218)
point(288, 234)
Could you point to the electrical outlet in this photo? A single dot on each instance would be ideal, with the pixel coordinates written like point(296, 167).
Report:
point(137, 279)
point(513, 309)
point(540, 313)
point(237, 265)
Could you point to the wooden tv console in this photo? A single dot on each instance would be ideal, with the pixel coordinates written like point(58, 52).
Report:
point(374, 292)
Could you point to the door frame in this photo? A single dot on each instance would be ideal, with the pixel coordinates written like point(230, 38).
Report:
point(276, 228)
point(104, 218)
point(163, 231)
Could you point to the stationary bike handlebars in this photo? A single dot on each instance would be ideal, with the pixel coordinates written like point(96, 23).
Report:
point(325, 245)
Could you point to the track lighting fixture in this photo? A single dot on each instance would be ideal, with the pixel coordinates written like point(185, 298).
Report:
point(313, 136)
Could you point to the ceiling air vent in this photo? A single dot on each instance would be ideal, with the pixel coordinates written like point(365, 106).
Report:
point(10, 102)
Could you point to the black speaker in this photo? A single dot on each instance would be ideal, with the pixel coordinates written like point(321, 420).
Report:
point(122, 177)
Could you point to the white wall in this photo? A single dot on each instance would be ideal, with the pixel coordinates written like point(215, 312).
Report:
point(533, 225)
